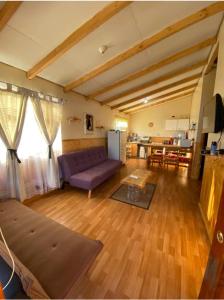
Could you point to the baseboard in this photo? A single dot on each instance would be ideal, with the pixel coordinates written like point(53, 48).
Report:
point(38, 197)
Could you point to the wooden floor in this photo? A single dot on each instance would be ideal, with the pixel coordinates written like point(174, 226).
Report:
point(155, 253)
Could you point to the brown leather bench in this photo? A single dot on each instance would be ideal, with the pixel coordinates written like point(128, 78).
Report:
point(55, 255)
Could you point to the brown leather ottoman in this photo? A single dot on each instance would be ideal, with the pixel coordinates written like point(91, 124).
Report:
point(56, 256)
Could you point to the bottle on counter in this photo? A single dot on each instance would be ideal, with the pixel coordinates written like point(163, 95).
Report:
point(213, 148)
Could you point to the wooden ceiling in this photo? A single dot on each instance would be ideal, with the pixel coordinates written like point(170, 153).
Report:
point(155, 49)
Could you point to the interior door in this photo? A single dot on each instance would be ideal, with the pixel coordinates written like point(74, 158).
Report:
point(213, 282)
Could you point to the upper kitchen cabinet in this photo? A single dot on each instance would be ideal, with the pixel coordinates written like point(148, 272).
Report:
point(183, 124)
point(171, 124)
point(177, 124)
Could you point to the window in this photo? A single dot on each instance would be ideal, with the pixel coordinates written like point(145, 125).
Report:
point(121, 124)
point(33, 152)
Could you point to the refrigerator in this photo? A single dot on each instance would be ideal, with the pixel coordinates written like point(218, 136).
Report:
point(116, 141)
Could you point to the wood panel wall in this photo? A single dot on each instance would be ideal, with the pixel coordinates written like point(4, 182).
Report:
point(211, 191)
point(78, 144)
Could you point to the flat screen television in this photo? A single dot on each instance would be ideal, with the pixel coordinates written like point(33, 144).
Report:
point(213, 115)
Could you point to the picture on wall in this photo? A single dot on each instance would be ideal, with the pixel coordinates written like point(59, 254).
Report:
point(88, 124)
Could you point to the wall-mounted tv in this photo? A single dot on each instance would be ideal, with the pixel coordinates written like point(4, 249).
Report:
point(213, 115)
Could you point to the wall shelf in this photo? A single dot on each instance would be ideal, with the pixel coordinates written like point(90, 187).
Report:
point(73, 119)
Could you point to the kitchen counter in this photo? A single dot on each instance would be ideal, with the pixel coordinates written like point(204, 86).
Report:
point(160, 145)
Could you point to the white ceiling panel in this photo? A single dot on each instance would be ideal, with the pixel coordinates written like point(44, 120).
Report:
point(16, 50)
point(179, 97)
point(129, 66)
point(159, 94)
point(118, 33)
point(184, 39)
point(37, 27)
point(48, 23)
point(187, 61)
point(151, 17)
point(158, 85)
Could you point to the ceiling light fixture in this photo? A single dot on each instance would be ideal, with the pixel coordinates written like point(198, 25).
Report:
point(103, 49)
point(145, 100)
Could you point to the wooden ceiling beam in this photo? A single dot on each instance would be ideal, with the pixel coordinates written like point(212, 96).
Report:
point(163, 34)
point(168, 60)
point(158, 90)
point(212, 60)
point(165, 101)
point(7, 11)
point(190, 87)
point(97, 20)
point(158, 80)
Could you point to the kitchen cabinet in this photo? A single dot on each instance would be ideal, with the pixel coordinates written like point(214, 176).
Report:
point(134, 150)
point(183, 124)
point(171, 124)
point(177, 124)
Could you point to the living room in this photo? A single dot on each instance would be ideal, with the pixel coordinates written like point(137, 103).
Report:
point(111, 149)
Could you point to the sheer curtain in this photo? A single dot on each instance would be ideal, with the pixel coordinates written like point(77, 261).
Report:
point(33, 151)
point(48, 116)
point(4, 192)
point(32, 174)
point(12, 114)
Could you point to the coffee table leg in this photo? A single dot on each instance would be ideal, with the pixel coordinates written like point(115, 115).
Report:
point(137, 193)
point(129, 192)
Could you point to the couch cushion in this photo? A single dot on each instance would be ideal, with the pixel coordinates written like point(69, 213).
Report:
point(75, 162)
point(56, 256)
point(92, 177)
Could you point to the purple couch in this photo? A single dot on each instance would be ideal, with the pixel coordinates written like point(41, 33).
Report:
point(88, 168)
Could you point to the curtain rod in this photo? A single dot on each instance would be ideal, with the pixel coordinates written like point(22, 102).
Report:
point(5, 86)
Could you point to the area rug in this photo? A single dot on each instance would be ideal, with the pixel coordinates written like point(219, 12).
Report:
point(133, 196)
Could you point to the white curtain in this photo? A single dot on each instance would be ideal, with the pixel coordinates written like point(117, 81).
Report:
point(12, 114)
point(48, 115)
point(33, 151)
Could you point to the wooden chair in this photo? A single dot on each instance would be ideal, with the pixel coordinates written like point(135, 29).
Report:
point(156, 156)
point(171, 158)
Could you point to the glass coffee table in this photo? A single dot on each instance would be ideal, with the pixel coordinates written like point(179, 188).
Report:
point(136, 182)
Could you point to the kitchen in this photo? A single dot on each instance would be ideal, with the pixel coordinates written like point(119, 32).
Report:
point(159, 148)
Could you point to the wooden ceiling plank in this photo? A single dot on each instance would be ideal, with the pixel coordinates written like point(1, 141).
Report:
point(160, 79)
point(164, 101)
point(170, 59)
point(166, 32)
point(97, 20)
point(7, 11)
point(158, 90)
point(190, 87)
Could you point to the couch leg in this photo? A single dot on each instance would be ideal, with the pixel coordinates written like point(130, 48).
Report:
point(62, 184)
point(89, 194)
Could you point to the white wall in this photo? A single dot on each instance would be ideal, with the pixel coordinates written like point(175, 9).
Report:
point(75, 105)
point(103, 116)
point(202, 96)
point(158, 115)
point(219, 83)
point(195, 109)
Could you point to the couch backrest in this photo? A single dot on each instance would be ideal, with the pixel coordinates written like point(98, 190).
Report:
point(75, 162)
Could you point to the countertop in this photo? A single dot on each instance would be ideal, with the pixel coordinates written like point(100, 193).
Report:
point(158, 144)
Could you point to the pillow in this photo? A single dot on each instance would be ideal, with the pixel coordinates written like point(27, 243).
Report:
point(30, 284)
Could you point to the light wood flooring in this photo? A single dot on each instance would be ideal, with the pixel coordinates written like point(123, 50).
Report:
point(156, 253)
